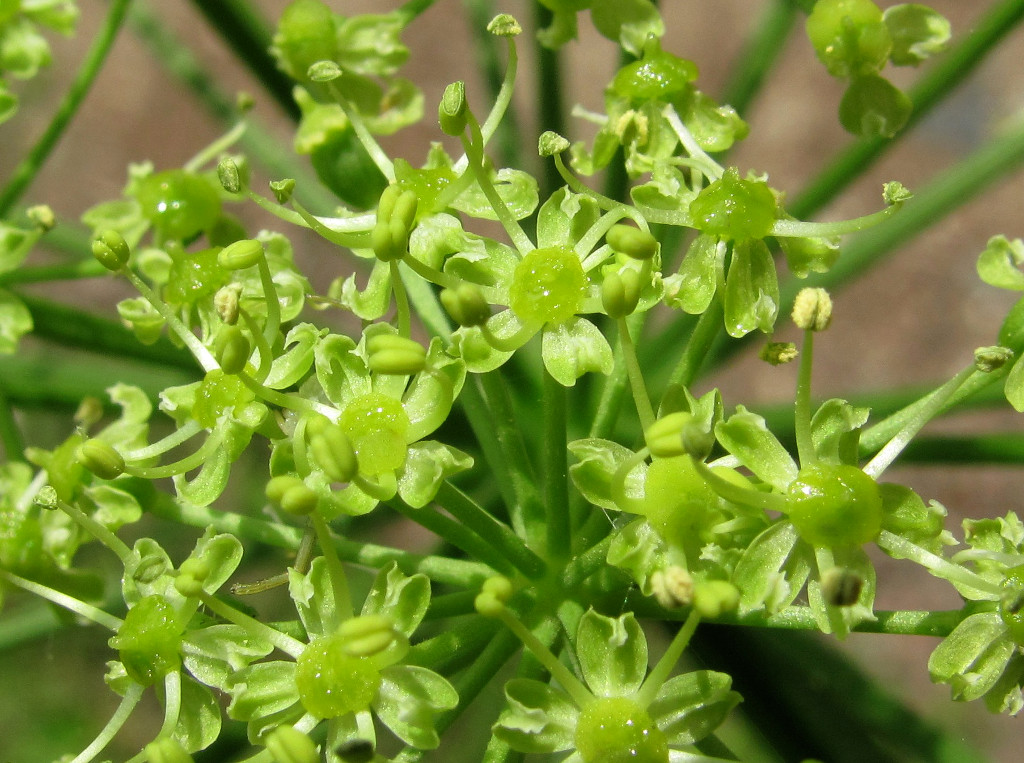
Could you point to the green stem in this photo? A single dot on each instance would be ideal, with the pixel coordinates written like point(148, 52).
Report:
point(339, 580)
point(698, 347)
point(131, 698)
point(70, 271)
point(473, 516)
point(373, 148)
point(454, 533)
point(551, 105)
point(903, 549)
point(921, 416)
point(10, 435)
point(69, 603)
point(555, 486)
point(635, 374)
point(29, 167)
point(660, 672)
point(586, 564)
point(290, 646)
point(802, 416)
point(191, 461)
point(172, 703)
point(95, 529)
point(439, 569)
point(402, 315)
point(941, 78)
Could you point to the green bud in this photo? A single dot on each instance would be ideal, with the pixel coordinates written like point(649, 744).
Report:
point(333, 451)
point(42, 217)
point(233, 350)
point(283, 189)
point(166, 750)
point(299, 500)
point(278, 486)
point(894, 192)
point(289, 745)
point(452, 113)
point(111, 250)
point(504, 25)
point(231, 176)
point(244, 101)
point(551, 144)
point(197, 568)
point(989, 359)
point(488, 605)
point(620, 293)
point(715, 597)
point(90, 410)
point(498, 586)
point(101, 459)
point(466, 304)
point(812, 309)
point(633, 242)
point(324, 71)
point(841, 587)
point(779, 353)
point(665, 436)
point(241, 254)
point(188, 586)
point(46, 498)
point(397, 355)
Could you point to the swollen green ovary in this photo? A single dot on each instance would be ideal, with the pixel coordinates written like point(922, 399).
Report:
point(548, 286)
point(377, 426)
point(332, 683)
point(619, 730)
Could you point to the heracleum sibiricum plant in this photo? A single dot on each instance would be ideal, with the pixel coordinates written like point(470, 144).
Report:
point(525, 380)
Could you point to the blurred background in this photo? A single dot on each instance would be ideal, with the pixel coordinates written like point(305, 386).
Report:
point(914, 321)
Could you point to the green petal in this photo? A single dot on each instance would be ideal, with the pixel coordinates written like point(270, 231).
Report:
point(538, 718)
point(409, 699)
point(612, 654)
point(692, 705)
point(401, 597)
point(972, 658)
point(573, 348)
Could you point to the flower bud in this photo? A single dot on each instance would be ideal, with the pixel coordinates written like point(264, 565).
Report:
point(232, 176)
point(283, 189)
point(989, 359)
point(166, 750)
point(324, 71)
point(672, 587)
point(111, 250)
point(633, 242)
point(812, 309)
point(367, 635)
point(289, 745)
point(452, 112)
point(498, 586)
point(225, 302)
point(620, 293)
point(334, 453)
point(677, 434)
point(241, 254)
point(196, 567)
point(42, 216)
point(714, 597)
point(488, 605)
point(551, 144)
point(233, 350)
point(278, 486)
point(188, 586)
point(778, 353)
point(101, 459)
point(504, 25)
point(299, 501)
point(466, 304)
point(397, 355)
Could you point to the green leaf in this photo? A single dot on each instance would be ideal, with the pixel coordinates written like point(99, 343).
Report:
point(199, 719)
point(693, 288)
point(516, 188)
point(1000, 264)
point(371, 43)
point(427, 465)
point(15, 322)
point(215, 653)
point(408, 701)
point(874, 107)
point(917, 31)
point(538, 718)
point(835, 431)
point(593, 473)
point(401, 597)
point(690, 706)
point(312, 594)
point(628, 22)
point(751, 290)
point(296, 358)
point(746, 436)
point(972, 658)
point(262, 689)
point(772, 570)
point(113, 507)
point(573, 348)
point(612, 654)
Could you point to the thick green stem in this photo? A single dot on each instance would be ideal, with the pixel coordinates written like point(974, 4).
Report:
point(473, 516)
point(636, 379)
point(27, 169)
point(557, 524)
point(802, 416)
point(339, 580)
point(759, 54)
point(10, 435)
